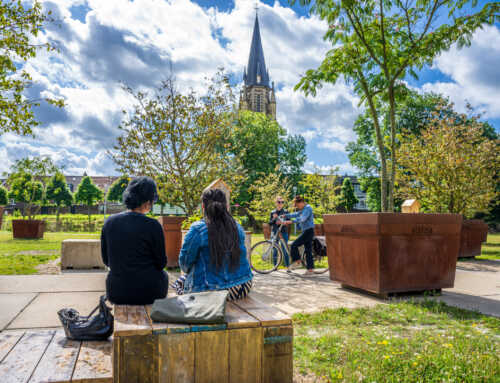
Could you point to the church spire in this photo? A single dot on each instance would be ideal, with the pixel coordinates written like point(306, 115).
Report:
point(256, 73)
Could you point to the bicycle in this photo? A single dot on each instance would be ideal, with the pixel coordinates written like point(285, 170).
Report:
point(266, 256)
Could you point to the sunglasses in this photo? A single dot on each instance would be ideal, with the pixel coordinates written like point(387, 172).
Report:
point(280, 202)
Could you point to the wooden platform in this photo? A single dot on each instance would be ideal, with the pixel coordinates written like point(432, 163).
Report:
point(41, 356)
point(254, 345)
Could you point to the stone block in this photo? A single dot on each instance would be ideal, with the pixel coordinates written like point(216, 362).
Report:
point(81, 254)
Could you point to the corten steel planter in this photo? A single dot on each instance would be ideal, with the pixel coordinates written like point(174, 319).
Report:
point(173, 238)
point(266, 230)
point(28, 229)
point(319, 230)
point(392, 252)
point(474, 233)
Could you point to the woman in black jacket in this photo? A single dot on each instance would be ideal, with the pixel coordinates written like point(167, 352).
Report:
point(133, 247)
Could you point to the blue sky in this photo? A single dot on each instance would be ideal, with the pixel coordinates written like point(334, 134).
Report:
point(103, 43)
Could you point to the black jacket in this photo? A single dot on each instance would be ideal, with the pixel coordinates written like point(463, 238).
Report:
point(272, 221)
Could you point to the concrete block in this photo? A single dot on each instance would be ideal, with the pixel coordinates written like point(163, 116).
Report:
point(81, 254)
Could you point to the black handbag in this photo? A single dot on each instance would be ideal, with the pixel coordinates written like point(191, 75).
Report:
point(98, 327)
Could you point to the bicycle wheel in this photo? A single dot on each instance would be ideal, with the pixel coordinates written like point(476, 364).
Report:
point(265, 257)
point(320, 263)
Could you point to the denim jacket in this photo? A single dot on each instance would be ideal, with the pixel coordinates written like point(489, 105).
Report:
point(303, 218)
point(194, 260)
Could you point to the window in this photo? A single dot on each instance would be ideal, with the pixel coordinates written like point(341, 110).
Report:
point(258, 105)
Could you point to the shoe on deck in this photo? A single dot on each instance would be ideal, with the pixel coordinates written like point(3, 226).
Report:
point(293, 266)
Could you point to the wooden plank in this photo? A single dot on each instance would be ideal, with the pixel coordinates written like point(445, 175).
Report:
point(8, 339)
point(212, 357)
point(21, 361)
point(245, 355)
point(166, 328)
point(137, 357)
point(58, 362)
point(277, 357)
point(267, 315)
point(94, 362)
point(176, 358)
point(131, 320)
point(238, 318)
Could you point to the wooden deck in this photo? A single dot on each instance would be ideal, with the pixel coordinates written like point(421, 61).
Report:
point(41, 356)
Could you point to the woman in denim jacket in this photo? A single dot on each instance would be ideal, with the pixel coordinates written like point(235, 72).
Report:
point(213, 255)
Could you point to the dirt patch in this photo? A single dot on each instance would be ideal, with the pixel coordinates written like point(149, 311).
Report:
point(36, 252)
point(51, 267)
point(307, 378)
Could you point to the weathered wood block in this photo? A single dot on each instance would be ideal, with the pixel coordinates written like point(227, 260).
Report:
point(81, 254)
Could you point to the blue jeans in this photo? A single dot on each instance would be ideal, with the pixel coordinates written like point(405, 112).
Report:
point(284, 250)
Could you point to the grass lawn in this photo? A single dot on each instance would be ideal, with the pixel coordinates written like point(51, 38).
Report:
point(400, 342)
point(20, 256)
point(491, 249)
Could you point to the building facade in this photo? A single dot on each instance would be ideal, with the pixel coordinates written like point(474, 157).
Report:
point(257, 93)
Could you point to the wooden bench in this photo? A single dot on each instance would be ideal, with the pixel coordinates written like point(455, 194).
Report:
point(41, 356)
point(255, 344)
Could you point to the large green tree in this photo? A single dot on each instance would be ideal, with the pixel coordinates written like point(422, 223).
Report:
point(376, 44)
point(347, 199)
point(58, 193)
point(117, 188)
point(178, 139)
point(321, 192)
point(20, 24)
point(3, 196)
point(88, 194)
point(263, 148)
point(449, 167)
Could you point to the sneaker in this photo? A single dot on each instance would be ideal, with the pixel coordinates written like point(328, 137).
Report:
point(309, 272)
point(293, 266)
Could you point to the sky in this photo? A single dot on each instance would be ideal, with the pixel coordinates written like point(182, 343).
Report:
point(103, 44)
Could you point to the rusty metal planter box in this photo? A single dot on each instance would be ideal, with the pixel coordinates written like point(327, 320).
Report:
point(474, 233)
point(392, 252)
point(173, 238)
point(28, 229)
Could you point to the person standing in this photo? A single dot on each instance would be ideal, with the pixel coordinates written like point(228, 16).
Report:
point(304, 218)
point(275, 214)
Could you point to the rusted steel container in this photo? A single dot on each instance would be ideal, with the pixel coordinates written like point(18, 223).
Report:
point(173, 238)
point(392, 252)
point(28, 229)
point(266, 230)
point(474, 233)
point(319, 230)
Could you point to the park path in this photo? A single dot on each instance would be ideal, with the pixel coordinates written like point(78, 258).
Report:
point(32, 301)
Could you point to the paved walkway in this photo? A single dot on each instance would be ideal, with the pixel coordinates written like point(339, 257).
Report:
point(32, 301)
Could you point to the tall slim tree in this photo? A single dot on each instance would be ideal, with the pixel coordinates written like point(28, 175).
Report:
point(377, 43)
point(58, 193)
point(347, 198)
point(88, 194)
point(117, 188)
point(20, 24)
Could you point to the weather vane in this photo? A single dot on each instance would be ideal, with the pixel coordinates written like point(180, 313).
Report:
point(257, 6)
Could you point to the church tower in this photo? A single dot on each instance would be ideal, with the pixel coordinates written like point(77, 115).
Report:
point(256, 94)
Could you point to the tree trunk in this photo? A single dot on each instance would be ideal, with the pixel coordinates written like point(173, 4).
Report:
point(88, 212)
point(392, 112)
point(57, 217)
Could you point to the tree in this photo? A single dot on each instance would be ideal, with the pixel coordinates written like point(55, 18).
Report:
point(88, 194)
point(449, 167)
point(262, 147)
point(28, 179)
point(178, 139)
point(19, 26)
point(377, 43)
point(117, 188)
point(58, 193)
point(3, 196)
point(347, 198)
point(265, 190)
point(321, 192)
point(371, 186)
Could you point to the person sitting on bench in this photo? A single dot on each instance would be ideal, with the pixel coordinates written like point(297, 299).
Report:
point(133, 246)
point(213, 255)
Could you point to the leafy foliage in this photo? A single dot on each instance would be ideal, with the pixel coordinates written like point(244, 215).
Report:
point(377, 43)
point(265, 191)
point(347, 198)
point(178, 139)
point(263, 147)
point(3, 196)
point(27, 181)
point(88, 193)
point(19, 25)
point(321, 192)
point(58, 193)
point(451, 167)
point(117, 188)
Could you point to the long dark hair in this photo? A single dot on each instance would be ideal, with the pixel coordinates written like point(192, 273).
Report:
point(223, 238)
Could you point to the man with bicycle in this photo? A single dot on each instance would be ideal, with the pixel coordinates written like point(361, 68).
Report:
point(304, 218)
point(274, 224)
